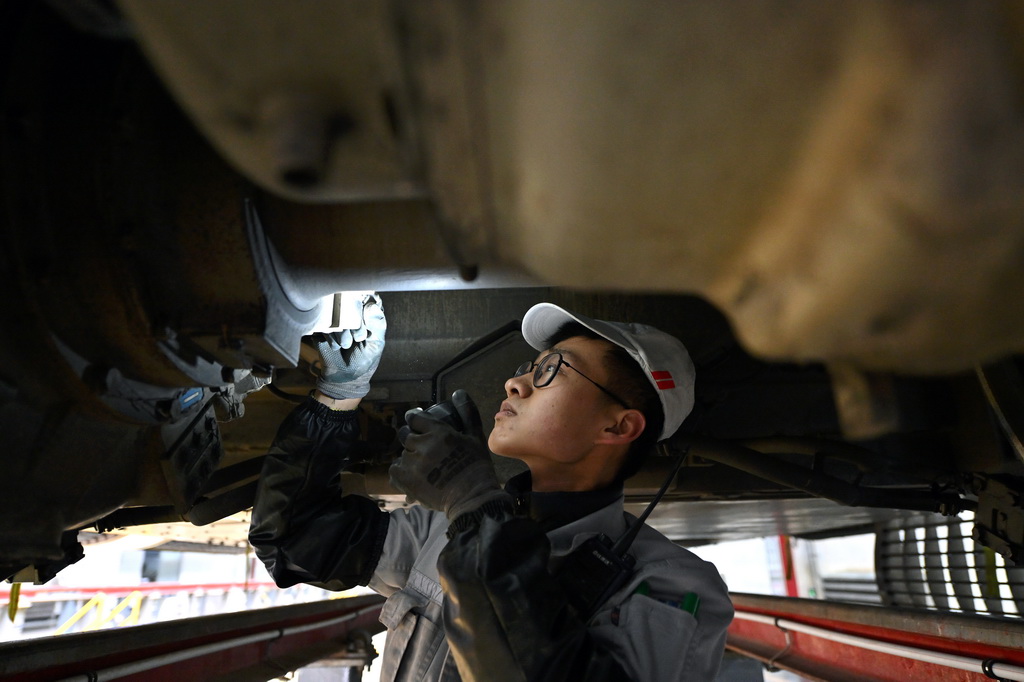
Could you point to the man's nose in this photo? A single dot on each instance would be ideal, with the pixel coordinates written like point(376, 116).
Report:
point(518, 386)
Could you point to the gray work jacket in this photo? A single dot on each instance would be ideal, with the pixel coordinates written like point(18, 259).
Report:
point(651, 637)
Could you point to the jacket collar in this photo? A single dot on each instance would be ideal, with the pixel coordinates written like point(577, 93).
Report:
point(559, 510)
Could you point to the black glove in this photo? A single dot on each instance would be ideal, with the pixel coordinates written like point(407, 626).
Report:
point(442, 468)
point(349, 358)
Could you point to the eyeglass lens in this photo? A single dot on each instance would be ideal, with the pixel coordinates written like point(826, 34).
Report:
point(547, 368)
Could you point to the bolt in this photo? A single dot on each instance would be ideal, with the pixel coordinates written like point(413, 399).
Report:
point(299, 130)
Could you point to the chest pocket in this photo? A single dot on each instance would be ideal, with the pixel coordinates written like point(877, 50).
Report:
point(413, 637)
point(657, 627)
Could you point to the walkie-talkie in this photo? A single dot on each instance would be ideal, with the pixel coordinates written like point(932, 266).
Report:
point(597, 569)
point(592, 573)
point(446, 412)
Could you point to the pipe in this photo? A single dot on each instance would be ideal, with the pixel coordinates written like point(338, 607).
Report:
point(820, 485)
point(1000, 670)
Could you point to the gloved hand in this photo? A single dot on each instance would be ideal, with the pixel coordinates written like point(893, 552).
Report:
point(444, 469)
point(349, 358)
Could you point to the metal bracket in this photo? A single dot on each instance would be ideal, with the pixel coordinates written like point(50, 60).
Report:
point(999, 521)
point(770, 663)
point(358, 654)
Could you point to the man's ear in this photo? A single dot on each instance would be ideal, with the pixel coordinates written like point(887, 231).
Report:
point(627, 428)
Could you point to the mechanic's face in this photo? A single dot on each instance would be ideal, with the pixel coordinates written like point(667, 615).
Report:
point(555, 429)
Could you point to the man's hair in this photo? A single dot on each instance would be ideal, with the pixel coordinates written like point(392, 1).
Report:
point(628, 381)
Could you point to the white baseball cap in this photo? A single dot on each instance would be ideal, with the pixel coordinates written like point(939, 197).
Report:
point(663, 358)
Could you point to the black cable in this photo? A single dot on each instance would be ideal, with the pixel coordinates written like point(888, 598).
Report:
point(285, 395)
point(622, 545)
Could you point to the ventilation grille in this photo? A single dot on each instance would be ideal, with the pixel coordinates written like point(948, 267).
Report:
point(931, 561)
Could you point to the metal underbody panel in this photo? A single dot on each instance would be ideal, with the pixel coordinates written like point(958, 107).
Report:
point(837, 177)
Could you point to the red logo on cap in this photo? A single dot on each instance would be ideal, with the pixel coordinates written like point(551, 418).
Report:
point(663, 380)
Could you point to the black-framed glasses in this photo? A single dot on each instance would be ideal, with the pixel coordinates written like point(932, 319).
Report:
point(548, 367)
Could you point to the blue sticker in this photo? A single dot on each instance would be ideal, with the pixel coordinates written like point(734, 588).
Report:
point(189, 398)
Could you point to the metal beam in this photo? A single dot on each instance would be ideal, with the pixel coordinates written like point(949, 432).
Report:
point(251, 645)
point(845, 642)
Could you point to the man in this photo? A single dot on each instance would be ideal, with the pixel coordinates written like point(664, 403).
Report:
point(486, 583)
